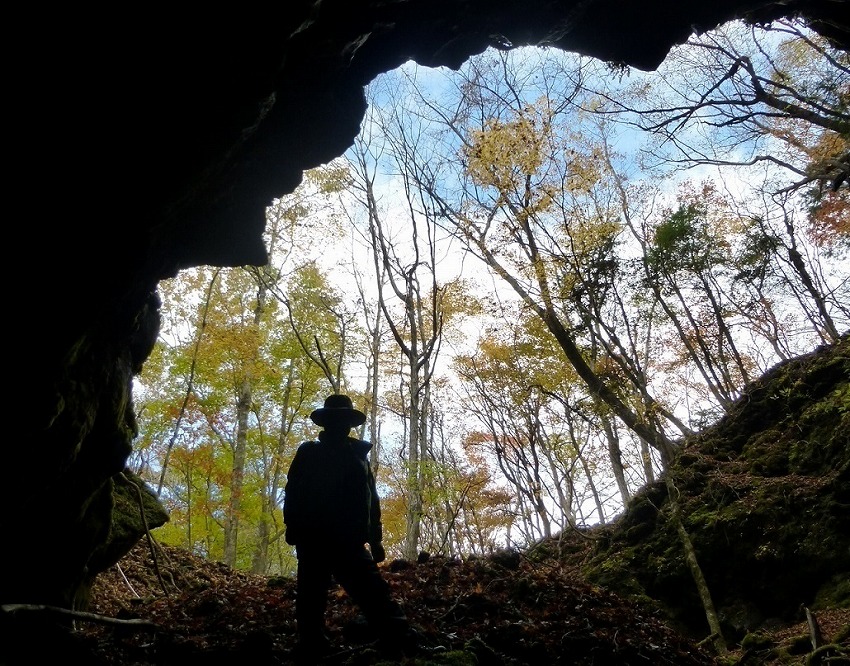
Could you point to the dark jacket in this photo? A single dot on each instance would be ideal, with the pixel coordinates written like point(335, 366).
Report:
point(330, 495)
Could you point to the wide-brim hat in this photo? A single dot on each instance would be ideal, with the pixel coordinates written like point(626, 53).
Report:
point(338, 408)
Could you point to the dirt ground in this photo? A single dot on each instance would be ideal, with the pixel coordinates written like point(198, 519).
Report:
point(501, 610)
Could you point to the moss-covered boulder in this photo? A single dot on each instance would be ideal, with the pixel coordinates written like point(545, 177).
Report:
point(765, 498)
point(135, 510)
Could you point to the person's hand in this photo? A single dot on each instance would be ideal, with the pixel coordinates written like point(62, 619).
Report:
point(378, 553)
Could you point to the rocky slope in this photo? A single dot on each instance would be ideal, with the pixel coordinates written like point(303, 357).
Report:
point(509, 609)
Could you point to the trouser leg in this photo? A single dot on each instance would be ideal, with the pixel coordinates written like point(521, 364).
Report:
point(311, 594)
point(360, 577)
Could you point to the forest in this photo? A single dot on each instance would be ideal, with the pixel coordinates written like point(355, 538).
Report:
point(538, 275)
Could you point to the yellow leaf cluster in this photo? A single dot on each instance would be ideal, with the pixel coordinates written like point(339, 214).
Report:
point(505, 153)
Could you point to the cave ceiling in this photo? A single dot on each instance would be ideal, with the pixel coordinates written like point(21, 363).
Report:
point(162, 136)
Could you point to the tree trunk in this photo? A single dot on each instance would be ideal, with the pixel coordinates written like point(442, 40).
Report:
point(695, 569)
point(237, 475)
point(615, 457)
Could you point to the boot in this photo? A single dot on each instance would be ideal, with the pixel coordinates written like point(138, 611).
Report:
point(397, 641)
point(311, 648)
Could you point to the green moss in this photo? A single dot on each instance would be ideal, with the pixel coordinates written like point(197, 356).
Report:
point(834, 594)
point(756, 641)
point(800, 644)
point(843, 635)
point(453, 658)
point(829, 654)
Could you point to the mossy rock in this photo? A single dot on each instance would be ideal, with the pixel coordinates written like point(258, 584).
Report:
point(764, 496)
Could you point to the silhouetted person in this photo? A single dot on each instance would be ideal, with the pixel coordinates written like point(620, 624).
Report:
point(331, 510)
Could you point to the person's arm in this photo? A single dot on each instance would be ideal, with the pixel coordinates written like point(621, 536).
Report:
point(376, 529)
point(292, 499)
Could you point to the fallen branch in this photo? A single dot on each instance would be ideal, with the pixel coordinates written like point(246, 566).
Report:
point(79, 615)
point(147, 532)
point(814, 629)
point(123, 575)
